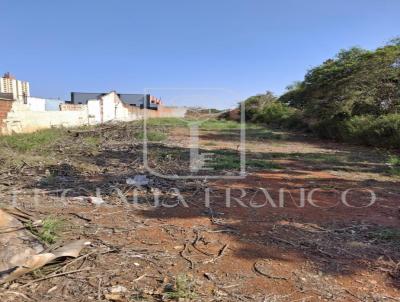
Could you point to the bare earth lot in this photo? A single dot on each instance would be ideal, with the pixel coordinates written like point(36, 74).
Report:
point(322, 251)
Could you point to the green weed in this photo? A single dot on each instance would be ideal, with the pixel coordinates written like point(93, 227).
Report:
point(394, 162)
point(262, 164)
point(49, 230)
point(49, 179)
point(152, 136)
point(387, 234)
point(182, 289)
point(225, 160)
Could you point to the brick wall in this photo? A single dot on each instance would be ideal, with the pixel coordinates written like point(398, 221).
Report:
point(5, 108)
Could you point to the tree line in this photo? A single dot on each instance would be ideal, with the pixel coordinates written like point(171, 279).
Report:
point(353, 97)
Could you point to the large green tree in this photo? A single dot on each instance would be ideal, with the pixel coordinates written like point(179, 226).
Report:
point(355, 82)
point(254, 104)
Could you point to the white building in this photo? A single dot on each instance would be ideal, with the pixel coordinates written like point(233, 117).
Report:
point(19, 89)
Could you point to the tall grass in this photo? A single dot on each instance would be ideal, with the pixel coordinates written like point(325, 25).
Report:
point(30, 141)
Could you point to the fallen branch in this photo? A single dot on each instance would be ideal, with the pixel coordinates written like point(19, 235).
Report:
point(282, 240)
point(139, 278)
point(74, 261)
point(256, 269)
point(19, 294)
point(182, 253)
point(80, 217)
point(195, 242)
point(220, 255)
point(353, 295)
point(55, 276)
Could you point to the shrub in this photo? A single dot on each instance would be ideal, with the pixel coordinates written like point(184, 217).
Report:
point(331, 128)
point(386, 131)
point(280, 115)
point(273, 113)
point(382, 131)
point(254, 104)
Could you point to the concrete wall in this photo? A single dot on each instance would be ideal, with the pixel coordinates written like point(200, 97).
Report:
point(94, 112)
point(53, 104)
point(179, 112)
point(41, 104)
point(36, 104)
point(19, 117)
point(109, 104)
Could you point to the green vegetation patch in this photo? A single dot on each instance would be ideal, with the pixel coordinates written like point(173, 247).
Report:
point(214, 124)
point(394, 162)
point(182, 289)
point(49, 231)
point(31, 141)
point(152, 136)
point(387, 234)
point(226, 160)
point(167, 122)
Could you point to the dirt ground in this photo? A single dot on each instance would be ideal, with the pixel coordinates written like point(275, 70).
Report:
point(186, 249)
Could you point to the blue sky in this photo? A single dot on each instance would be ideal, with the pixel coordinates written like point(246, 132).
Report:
point(243, 46)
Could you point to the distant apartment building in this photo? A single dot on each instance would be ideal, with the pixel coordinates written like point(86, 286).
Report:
point(18, 89)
